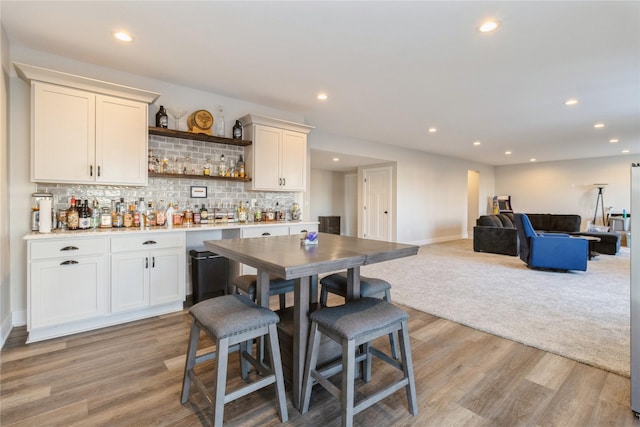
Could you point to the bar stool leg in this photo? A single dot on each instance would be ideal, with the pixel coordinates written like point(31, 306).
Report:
point(348, 381)
point(407, 368)
point(191, 360)
point(276, 364)
point(220, 383)
point(310, 365)
point(393, 343)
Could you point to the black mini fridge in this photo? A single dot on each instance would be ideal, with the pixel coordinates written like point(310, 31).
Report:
point(209, 274)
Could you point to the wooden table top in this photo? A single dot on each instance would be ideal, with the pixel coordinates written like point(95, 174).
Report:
point(286, 257)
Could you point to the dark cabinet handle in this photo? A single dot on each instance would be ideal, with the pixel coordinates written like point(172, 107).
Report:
point(90, 170)
point(70, 262)
point(146, 262)
point(153, 262)
point(98, 170)
point(150, 242)
point(266, 234)
point(69, 248)
point(303, 231)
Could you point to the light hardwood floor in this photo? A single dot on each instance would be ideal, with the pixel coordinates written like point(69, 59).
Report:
point(131, 375)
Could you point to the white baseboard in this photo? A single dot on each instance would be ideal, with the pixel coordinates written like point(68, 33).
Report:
point(438, 240)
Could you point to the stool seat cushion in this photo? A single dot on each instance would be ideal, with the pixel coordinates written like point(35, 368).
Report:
point(359, 317)
point(369, 286)
point(229, 315)
point(277, 285)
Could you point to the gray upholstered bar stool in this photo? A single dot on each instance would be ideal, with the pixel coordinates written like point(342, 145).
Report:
point(354, 324)
point(231, 321)
point(246, 284)
point(369, 287)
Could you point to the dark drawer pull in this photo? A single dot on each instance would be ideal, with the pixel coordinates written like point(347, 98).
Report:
point(266, 234)
point(70, 262)
point(150, 242)
point(303, 231)
point(69, 248)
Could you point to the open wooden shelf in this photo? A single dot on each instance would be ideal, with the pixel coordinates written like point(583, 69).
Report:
point(172, 133)
point(184, 176)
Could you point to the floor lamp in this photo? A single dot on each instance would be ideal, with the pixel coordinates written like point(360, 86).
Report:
point(600, 201)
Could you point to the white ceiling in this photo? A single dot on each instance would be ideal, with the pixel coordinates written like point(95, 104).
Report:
point(391, 69)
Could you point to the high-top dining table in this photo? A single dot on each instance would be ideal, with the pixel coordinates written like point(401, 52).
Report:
point(286, 257)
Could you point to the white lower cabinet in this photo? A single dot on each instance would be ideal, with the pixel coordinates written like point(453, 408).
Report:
point(83, 283)
point(67, 281)
point(147, 271)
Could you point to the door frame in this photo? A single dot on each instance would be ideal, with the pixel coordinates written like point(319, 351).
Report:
point(362, 196)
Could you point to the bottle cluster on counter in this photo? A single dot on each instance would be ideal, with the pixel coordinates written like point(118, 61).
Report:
point(82, 215)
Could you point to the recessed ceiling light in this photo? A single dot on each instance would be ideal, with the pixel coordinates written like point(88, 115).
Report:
point(507, 153)
point(614, 140)
point(122, 36)
point(336, 159)
point(433, 130)
point(532, 160)
point(488, 26)
point(476, 143)
point(571, 101)
point(322, 96)
point(598, 125)
point(625, 151)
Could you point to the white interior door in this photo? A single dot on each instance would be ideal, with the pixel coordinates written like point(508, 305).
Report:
point(377, 210)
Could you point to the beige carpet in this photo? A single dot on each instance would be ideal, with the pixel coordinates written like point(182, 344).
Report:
point(580, 315)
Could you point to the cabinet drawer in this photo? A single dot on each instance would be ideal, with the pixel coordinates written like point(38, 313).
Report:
point(259, 231)
point(147, 242)
point(66, 248)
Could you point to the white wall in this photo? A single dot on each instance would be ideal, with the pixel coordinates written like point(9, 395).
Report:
point(567, 186)
point(326, 194)
point(5, 277)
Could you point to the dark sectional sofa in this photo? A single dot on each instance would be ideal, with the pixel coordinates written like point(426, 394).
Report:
point(497, 233)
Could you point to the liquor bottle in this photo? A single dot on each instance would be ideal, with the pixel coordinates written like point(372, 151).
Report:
point(222, 166)
point(240, 166)
point(187, 218)
point(151, 215)
point(138, 220)
point(204, 215)
point(95, 214)
point(84, 221)
point(116, 217)
point(128, 215)
point(258, 213)
point(161, 214)
point(219, 123)
point(162, 119)
point(237, 130)
point(196, 215)
point(206, 168)
point(250, 212)
point(73, 216)
point(242, 213)
point(169, 215)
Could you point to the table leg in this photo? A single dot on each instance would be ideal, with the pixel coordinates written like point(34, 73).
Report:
point(353, 283)
point(300, 335)
point(262, 299)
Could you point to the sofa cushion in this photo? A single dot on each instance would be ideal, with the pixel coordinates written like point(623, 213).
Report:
point(554, 223)
point(488, 221)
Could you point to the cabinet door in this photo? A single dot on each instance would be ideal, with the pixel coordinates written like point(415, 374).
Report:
point(266, 158)
point(166, 280)
point(121, 141)
point(293, 160)
point(63, 134)
point(129, 281)
point(66, 290)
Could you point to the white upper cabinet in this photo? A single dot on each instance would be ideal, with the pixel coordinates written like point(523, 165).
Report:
point(277, 159)
point(86, 131)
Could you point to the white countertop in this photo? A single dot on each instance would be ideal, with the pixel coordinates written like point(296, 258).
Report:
point(163, 229)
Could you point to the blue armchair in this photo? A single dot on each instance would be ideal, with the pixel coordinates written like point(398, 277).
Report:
point(555, 251)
